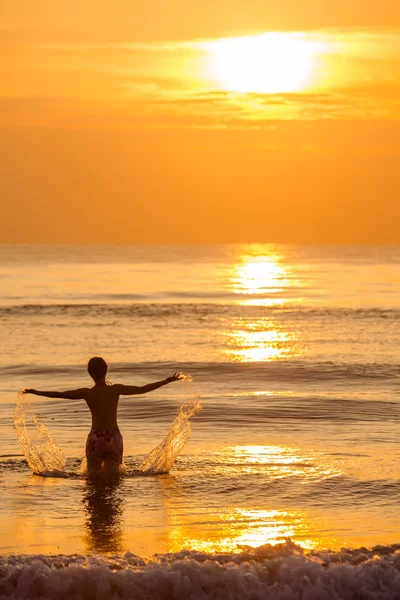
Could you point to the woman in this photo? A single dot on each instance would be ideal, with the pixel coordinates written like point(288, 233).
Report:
point(104, 446)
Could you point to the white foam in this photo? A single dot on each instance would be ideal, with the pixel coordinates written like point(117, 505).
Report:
point(280, 572)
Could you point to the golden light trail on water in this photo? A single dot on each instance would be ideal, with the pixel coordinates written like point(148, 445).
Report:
point(262, 340)
point(260, 280)
point(243, 528)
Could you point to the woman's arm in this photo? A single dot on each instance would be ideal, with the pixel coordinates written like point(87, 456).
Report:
point(133, 390)
point(80, 394)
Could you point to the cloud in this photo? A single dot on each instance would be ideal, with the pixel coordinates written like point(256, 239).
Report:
point(168, 83)
point(357, 39)
point(149, 105)
point(371, 102)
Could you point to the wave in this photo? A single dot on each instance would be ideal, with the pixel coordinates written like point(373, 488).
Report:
point(224, 476)
point(131, 305)
point(342, 490)
point(256, 372)
point(281, 572)
point(284, 409)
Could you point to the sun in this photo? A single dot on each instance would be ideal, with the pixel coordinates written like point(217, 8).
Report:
point(268, 63)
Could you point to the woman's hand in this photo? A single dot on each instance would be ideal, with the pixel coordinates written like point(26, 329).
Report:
point(174, 377)
point(29, 391)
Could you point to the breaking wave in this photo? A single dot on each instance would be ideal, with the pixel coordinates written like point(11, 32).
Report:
point(292, 370)
point(281, 572)
point(134, 305)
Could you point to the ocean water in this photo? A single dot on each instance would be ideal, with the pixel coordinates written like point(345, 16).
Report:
point(294, 352)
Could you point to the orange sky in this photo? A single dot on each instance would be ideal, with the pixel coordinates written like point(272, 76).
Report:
point(152, 122)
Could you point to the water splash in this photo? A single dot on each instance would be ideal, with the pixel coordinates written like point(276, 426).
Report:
point(82, 470)
point(161, 459)
point(46, 458)
point(42, 454)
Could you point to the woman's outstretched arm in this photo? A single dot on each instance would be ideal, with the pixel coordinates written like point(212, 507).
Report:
point(80, 394)
point(133, 390)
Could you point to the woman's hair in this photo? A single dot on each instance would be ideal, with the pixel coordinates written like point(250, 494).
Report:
point(97, 367)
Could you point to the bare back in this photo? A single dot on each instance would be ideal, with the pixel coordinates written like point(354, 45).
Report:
point(102, 399)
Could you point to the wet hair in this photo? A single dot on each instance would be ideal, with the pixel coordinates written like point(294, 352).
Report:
point(97, 367)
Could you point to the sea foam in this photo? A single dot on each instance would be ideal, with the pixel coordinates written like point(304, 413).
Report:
point(280, 572)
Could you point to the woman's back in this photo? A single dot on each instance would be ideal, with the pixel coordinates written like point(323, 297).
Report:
point(102, 399)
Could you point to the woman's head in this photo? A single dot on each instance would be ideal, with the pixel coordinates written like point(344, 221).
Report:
point(97, 368)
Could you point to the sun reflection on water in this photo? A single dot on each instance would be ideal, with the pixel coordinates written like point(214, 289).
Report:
point(261, 277)
point(243, 527)
point(264, 276)
point(234, 525)
point(259, 340)
point(278, 462)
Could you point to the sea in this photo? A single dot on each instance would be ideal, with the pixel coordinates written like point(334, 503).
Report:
point(281, 444)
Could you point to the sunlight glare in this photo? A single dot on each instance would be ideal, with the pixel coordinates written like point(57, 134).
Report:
point(260, 341)
point(268, 63)
point(260, 276)
point(263, 280)
point(242, 527)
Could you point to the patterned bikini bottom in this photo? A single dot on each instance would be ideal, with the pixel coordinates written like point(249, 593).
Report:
point(105, 444)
